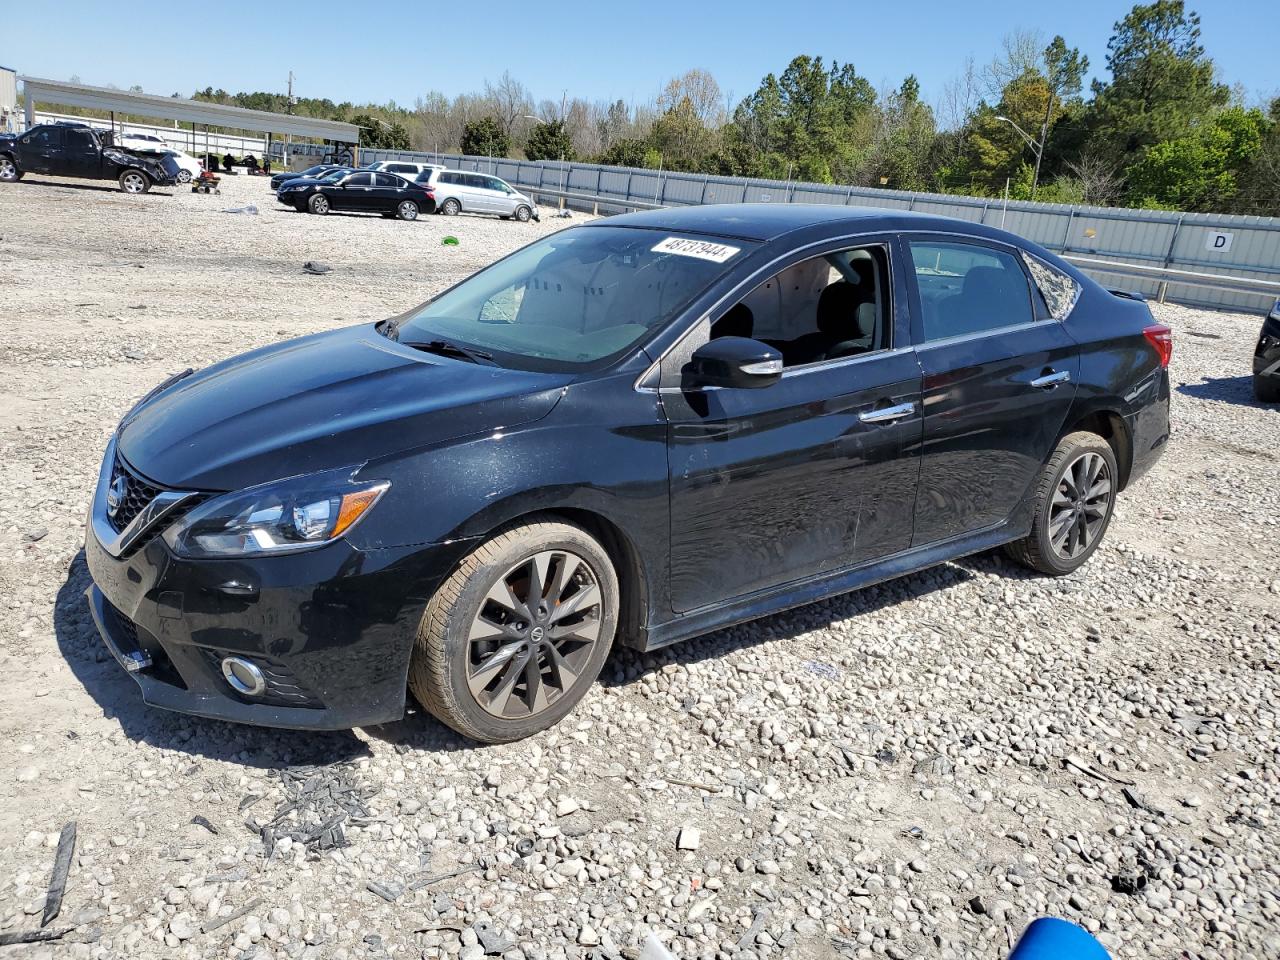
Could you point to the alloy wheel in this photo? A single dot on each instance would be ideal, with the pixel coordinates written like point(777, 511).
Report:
point(184, 176)
point(534, 634)
point(1080, 506)
point(320, 204)
point(7, 170)
point(408, 210)
point(133, 183)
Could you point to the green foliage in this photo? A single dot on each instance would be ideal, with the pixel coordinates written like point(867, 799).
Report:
point(484, 138)
point(549, 141)
point(1199, 171)
point(629, 152)
point(381, 134)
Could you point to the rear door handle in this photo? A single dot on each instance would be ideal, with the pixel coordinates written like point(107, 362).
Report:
point(888, 414)
point(1051, 380)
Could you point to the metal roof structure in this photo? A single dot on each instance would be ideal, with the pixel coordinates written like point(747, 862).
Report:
point(177, 108)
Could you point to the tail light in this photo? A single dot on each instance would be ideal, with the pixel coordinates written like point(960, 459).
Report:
point(1161, 338)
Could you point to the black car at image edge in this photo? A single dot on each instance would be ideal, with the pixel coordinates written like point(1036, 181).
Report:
point(634, 431)
point(1266, 359)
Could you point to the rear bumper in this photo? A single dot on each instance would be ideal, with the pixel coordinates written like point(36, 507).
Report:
point(332, 629)
point(1149, 426)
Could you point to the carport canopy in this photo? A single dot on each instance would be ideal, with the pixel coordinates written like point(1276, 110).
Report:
point(177, 108)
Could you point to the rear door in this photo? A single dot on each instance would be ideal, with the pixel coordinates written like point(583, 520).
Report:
point(81, 156)
point(387, 192)
point(999, 378)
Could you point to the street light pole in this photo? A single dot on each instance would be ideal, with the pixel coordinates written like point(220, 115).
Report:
point(1036, 147)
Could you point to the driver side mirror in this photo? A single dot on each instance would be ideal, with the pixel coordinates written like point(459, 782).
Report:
point(733, 362)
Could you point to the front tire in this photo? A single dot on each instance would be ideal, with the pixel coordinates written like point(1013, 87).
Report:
point(1075, 497)
point(523, 214)
point(451, 207)
point(512, 641)
point(9, 172)
point(318, 204)
point(1265, 390)
point(134, 181)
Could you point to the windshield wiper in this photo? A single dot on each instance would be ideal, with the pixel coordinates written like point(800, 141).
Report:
point(447, 349)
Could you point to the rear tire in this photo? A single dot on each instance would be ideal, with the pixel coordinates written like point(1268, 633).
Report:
point(407, 210)
point(451, 207)
point(9, 172)
point(498, 659)
point(134, 181)
point(1266, 391)
point(184, 176)
point(1074, 501)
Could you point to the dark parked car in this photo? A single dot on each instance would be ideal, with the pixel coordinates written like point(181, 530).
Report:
point(1266, 359)
point(319, 170)
point(358, 191)
point(75, 150)
point(644, 428)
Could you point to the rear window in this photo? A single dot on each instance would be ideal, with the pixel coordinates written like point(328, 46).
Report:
point(1059, 290)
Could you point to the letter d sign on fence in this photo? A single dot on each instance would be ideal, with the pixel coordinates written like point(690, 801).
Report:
point(1217, 241)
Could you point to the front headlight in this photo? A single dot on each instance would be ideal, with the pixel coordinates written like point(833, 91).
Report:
point(278, 517)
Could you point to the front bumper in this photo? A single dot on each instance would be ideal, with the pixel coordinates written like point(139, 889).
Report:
point(332, 629)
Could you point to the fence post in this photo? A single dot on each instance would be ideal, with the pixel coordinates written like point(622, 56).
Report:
point(705, 178)
point(1066, 234)
point(630, 174)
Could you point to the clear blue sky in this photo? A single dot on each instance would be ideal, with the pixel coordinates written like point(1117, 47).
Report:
point(603, 49)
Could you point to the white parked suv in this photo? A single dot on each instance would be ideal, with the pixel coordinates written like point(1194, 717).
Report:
point(409, 169)
point(459, 191)
point(142, 141)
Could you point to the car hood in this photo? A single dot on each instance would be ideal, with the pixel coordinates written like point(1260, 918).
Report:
point(317, 403)
point(301, 182)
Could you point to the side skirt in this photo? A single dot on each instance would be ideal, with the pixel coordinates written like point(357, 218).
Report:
point(798, 593)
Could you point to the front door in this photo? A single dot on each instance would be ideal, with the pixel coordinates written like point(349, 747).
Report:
point(999, 379)
point(354, 194)
point(816, 472)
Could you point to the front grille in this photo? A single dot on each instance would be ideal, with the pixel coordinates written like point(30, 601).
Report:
point(125, 629)
point(137, 494)
point(129, 637)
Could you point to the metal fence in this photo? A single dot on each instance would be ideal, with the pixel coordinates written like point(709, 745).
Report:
point(1234, 246)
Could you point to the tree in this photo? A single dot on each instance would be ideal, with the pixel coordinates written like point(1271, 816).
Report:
point(484, 138)
point(549, 141)
point(510, 101)
point(1162, 83)
point(1199, 171)
point(904, 140)
point(381, 134)
point(627, 152)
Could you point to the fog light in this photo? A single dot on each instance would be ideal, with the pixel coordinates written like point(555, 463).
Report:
point(244, 676)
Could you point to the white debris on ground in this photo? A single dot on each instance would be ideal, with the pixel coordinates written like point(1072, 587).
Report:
point(915, 770)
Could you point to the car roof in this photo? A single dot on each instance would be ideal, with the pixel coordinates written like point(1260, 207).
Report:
point(768, 221)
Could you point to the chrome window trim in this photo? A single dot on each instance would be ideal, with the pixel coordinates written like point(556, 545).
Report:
point(819, 366)
point(763, 272)
point(982, 334)
point(118, 543)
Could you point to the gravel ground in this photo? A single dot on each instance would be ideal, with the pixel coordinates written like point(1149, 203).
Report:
point(915, 770)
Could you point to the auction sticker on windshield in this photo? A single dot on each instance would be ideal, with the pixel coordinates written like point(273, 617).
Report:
point(702, 249)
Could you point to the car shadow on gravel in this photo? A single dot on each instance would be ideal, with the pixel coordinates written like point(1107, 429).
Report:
point(627, 665)
point(108, 186)
point(120, 700)
point(1237, 390)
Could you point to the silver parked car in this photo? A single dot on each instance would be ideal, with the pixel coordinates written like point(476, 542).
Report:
point(459, 191)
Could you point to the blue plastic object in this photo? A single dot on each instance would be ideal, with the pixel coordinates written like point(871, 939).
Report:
point(1052, 939)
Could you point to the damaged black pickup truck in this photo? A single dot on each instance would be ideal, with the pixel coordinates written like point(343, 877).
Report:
point(78, 150)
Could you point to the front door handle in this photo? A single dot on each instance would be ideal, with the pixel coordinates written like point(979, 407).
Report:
point(888, 414)
point(1051, 380)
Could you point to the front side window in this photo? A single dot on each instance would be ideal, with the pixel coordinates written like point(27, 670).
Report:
point(824, 308)
point(80, 140)
point(474, 181)
point(968, 289)
point(358, 180)
point(576, 300)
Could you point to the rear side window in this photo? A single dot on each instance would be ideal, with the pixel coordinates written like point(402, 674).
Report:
point(1059, 290)
point(387, 180)
point(44, 137)
point(968, 289)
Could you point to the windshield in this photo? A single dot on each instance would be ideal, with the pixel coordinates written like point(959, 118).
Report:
point(575, 300)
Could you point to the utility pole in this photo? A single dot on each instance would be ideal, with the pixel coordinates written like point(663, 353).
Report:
point(288, 105)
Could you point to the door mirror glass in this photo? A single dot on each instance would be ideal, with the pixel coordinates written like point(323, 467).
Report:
point(733, 362)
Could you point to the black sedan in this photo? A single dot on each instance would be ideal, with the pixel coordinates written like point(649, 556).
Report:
point(1266, 359)
point(319, 170)
point(629, 432)
point(359, 191)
